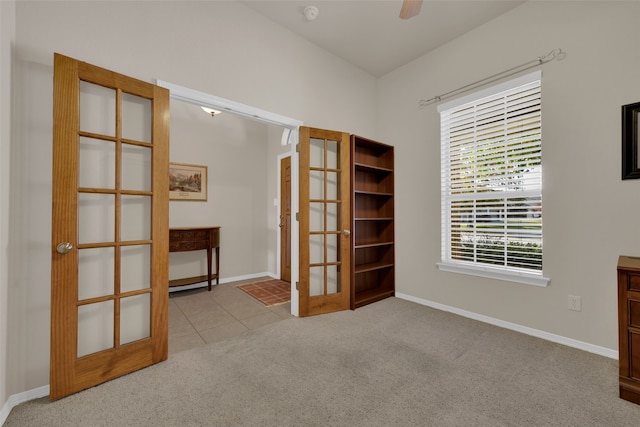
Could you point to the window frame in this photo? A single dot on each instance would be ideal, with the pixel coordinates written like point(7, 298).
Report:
point(527, 276)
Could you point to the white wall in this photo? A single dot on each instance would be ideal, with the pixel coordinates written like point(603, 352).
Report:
point(221, 48)
point(7, 35)
point(590, 214)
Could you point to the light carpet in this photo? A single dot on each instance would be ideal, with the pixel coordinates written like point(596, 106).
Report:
point(392, 363)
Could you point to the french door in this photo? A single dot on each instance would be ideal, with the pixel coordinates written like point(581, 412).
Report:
point(325, 210)
point(109, 296)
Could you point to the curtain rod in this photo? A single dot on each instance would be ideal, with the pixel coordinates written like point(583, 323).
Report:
point(554, 54)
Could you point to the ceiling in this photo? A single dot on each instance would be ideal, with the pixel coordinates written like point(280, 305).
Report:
point(369, 33)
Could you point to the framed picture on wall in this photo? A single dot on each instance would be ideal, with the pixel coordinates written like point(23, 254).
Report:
point(187, 182)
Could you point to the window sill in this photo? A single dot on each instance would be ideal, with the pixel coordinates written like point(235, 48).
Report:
point(494, 273)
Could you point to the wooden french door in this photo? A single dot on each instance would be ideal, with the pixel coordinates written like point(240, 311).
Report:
point(325, 210)
point(285, 219)
point(109, 279)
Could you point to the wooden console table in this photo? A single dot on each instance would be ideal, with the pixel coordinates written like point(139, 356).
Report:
point(194, 239)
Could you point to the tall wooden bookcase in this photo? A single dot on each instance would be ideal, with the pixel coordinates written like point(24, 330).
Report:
point(372, 215)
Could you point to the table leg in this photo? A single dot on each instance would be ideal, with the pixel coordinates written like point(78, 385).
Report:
point(209, 266)
point(218, 265)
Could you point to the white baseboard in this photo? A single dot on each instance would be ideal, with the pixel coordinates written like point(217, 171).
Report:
point(16, 399)
point(222, 281)
point(570, 342)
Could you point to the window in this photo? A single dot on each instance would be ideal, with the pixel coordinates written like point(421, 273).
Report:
point(492, 182)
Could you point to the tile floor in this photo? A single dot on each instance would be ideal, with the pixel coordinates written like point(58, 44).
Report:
point(198, 317)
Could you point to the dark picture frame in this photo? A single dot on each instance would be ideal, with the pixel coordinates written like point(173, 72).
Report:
point(630, 153)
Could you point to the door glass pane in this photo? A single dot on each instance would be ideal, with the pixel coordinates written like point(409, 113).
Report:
point(316, 216)
point(136, 168)
point(316, 185)
point(331, 191)
point(332, 217)
point(316, 153)
point(95, 272)
point(332, 154)
point(97, 163)
point(316, 281)
point(135, 318)
point(96, 218)
point(332, 247)
point(135, 267)
point(136, 218)
point(95, 327)
point(136, 118)
point(97, 109)
point(316, 249)
point(333, 279)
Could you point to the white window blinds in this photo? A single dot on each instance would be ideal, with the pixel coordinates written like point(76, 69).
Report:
point(491, 173)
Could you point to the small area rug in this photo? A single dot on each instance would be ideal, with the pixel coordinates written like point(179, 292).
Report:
point(269, 292)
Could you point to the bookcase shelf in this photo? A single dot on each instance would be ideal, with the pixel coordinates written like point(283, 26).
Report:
point(369, 168)
point(373, 256)
point(363, 268)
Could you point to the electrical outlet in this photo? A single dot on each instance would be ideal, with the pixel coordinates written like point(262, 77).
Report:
point(575, 303)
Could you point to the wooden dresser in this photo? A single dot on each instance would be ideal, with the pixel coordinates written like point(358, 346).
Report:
point(194, 239)
point(629, 327)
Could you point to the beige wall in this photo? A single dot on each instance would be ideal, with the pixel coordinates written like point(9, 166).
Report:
point(7, 34)
point(590, 214)
point(221, 48)
point(234, 150)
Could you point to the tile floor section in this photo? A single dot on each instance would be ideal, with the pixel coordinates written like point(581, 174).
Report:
point(198, 317)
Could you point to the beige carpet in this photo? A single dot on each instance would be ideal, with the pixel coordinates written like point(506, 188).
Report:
point(392, 363)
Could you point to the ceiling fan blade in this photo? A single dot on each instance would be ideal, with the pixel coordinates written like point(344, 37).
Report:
point(410, 8)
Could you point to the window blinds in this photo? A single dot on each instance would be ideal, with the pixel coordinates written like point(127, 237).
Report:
point(491, 175)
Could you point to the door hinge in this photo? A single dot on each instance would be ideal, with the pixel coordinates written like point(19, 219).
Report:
point(297, 286)
point(298, 147)
point(297, 216)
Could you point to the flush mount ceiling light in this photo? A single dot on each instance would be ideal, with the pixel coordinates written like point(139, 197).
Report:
point(211, 111)
point(311, 13)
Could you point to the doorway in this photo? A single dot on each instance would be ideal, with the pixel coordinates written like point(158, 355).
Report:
point(289, 139)
point(243, 178)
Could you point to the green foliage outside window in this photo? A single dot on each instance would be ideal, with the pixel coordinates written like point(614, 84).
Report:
point(487, 251)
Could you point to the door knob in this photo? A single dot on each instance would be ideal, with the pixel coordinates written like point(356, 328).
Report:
point(64, 247)
point(281, 225)
point(346, 232)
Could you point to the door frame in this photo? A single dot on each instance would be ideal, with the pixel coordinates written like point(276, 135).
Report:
point(203, 99)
